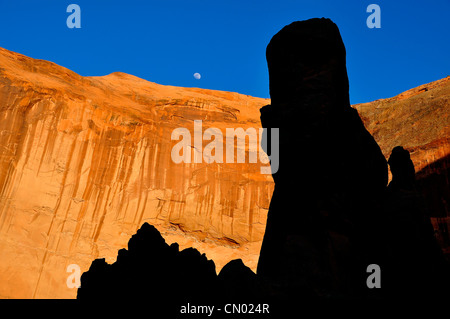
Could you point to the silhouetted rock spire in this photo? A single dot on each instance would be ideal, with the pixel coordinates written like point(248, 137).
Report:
point(402, 169)
point(150, 270)
point(325, 190)
point(414, 263)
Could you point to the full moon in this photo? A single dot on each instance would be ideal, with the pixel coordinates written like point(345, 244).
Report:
point(197, 76)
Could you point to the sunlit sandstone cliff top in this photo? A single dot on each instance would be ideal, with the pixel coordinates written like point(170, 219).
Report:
point(85, 161)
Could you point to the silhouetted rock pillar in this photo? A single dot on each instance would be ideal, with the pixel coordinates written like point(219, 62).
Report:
point(151, 272)
point(331, 169)
point(415, 265)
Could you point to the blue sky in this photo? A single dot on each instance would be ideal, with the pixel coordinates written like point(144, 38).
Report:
point(167, 41)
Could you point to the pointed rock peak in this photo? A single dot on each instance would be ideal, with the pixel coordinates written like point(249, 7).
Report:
point(146, 236)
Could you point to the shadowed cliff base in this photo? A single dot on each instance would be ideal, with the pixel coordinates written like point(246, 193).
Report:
point(341, 215)
point(433, 182)
point(414, 262)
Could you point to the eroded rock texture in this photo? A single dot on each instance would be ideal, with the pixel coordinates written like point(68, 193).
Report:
point(414, 264)
point(419, 120)
point(85, 161)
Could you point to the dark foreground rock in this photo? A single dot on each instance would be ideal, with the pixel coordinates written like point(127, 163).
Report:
point(328, 187)
point(331, 214)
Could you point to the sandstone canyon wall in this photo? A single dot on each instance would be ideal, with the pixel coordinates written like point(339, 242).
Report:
point(85, 161)
point(419, 120)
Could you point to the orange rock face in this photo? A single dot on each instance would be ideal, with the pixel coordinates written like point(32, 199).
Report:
point(417, 119)
point(85, 161)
